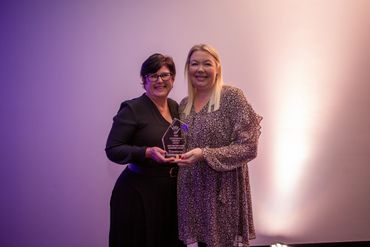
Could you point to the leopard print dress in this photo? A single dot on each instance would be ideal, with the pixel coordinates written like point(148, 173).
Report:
point(214, 198)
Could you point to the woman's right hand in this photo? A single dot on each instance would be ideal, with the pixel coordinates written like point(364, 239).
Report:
point(157, 154)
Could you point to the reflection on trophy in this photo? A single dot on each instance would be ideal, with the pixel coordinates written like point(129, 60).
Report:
point(174, 138)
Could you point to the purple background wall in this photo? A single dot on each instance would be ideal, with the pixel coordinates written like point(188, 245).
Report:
point(66, 66)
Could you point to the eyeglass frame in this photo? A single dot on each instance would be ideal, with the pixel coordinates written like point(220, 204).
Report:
point(148, 76)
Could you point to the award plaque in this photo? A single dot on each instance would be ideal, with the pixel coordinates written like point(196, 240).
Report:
point(173, 139)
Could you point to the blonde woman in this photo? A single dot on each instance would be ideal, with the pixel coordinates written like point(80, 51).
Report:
point(214, 200)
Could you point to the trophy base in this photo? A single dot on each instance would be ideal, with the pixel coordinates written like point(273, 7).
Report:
point(176, 156)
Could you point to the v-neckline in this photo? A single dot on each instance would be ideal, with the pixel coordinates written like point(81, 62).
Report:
point(158, 112)
point(202, 108)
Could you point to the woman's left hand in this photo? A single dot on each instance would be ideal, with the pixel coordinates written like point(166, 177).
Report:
point(190, 158)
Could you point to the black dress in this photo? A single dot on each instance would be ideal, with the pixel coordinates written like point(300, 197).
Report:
point(143, 203)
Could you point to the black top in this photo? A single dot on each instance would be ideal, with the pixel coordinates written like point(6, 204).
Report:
point(137, 125)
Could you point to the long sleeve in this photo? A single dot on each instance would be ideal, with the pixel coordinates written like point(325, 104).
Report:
point(119, 148)
point(245, 131)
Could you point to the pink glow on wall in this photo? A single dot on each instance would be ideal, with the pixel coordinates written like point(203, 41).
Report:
point(312, 54)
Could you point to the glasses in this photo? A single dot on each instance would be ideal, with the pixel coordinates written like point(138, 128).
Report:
point(163, 76)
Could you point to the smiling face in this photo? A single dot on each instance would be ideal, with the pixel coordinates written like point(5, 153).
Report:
point(155, 86)
point(202, 70)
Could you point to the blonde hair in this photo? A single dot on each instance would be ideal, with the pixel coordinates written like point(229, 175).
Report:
point(214, 102)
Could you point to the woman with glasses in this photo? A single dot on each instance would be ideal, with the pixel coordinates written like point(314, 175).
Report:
point(214, 200)
point(143, 202)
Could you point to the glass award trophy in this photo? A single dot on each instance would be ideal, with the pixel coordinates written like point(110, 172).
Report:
point(173, 139)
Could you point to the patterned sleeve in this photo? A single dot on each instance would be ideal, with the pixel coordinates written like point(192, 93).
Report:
point(245, 132)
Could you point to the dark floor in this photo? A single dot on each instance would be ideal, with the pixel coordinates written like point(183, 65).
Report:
point(337, 244)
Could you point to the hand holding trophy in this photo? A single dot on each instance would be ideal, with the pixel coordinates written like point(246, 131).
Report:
point(173, 139)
